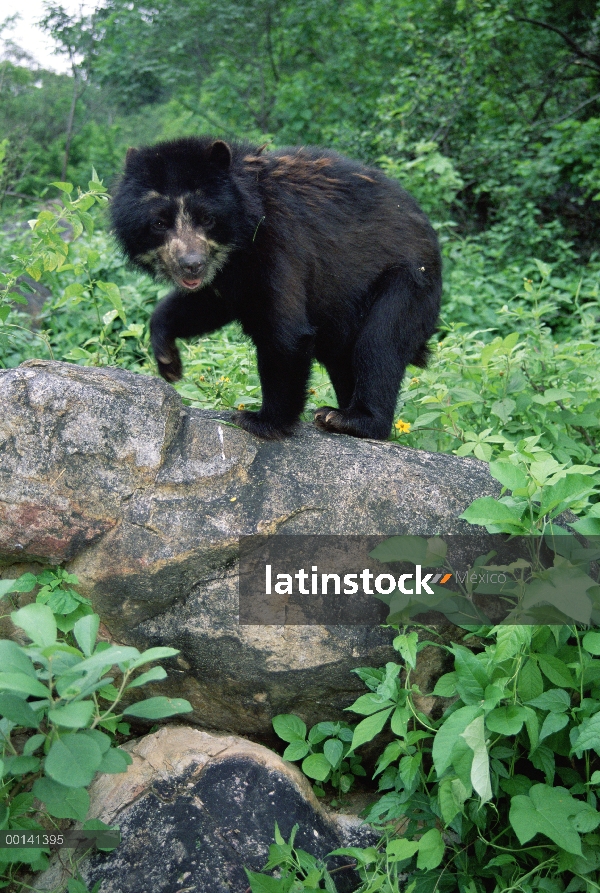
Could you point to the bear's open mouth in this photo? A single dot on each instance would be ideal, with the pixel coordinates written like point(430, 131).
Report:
point(191, 283)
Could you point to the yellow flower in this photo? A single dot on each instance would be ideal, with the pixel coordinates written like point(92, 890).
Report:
point(241, 406)
point(311, 391)
point(415, 380)
point(402, 427)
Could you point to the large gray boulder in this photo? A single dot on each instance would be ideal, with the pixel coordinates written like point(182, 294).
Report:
point(106, 472)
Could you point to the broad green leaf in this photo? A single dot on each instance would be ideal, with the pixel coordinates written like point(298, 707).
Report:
point(115, 654)
point(530, 683)
point(159, 653)
point(333, 750)
point(588, 735)
point(38, 622)
point(158, 708)
point(474, 735)
point(407, 646)
point(21, 765)
point(542, 758)
point(399, 721)
point(556, 700)
point(22, 682)
point(317, 766)
point(113, 293)
point(472, 676)
point(486, 510)
point(60, 801)
point(74, 290)
point(591, 642)
point(33, 743)
point(503, 409)
point(17, 710)
point(556, 671)
point(445, 687)
point(585, 821)
point(452, 795)
point(73, 760)
point(587, 526)
point(264, 883)
point(554, 722)
point(400, 849)
point(370, 703)
point(369, 727)
point(63, 186)
point(289, 727)
point(506, 720)
point(101, 739)
point(114, 761)
point(363, 856)
point(431, 850)
point(152, 675)
point(565, 491)
point(86, 632)
point(565, 588)
point(392, 751)
point(449, 733)
point(533, 727)
point(547, 810)
point(73, 716)
point(296, 750)
point(409, 768)
point(6, 586)
point(388, 687)
point(509, 475)
point(510, 639)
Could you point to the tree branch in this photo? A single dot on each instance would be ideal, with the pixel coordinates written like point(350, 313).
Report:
point(593, 57)
point(574, 111)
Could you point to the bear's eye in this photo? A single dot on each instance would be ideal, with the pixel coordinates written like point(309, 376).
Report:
point(159, 226)
point(208, 221)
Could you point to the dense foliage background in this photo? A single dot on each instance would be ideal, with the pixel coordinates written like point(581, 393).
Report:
point(489, 112)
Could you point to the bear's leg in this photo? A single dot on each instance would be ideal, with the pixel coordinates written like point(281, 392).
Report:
point(183, 315)
point(342, 378)
point(391, 336)
point(283, 376)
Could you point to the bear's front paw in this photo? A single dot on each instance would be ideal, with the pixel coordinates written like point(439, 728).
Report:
point(255, 424)
point(169, 362)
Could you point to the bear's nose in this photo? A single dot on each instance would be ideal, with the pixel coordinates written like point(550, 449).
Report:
point(191, 263)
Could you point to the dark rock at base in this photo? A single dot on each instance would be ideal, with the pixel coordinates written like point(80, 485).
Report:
point(194, 809)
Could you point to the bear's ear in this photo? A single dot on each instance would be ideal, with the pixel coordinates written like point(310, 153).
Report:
point(130, 155)
point(220, 155)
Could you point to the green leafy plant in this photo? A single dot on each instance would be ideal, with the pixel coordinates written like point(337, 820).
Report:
point(74, 268)
point(324, 752)
point(297, 869)
point(540, 488)
point(501, 791)
point(56, 591)
point(60, 706)
point(486, 391)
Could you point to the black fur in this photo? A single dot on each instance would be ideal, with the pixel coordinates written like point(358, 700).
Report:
point(314, 254)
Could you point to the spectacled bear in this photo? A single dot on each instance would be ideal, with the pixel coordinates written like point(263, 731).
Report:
point(317, 256)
